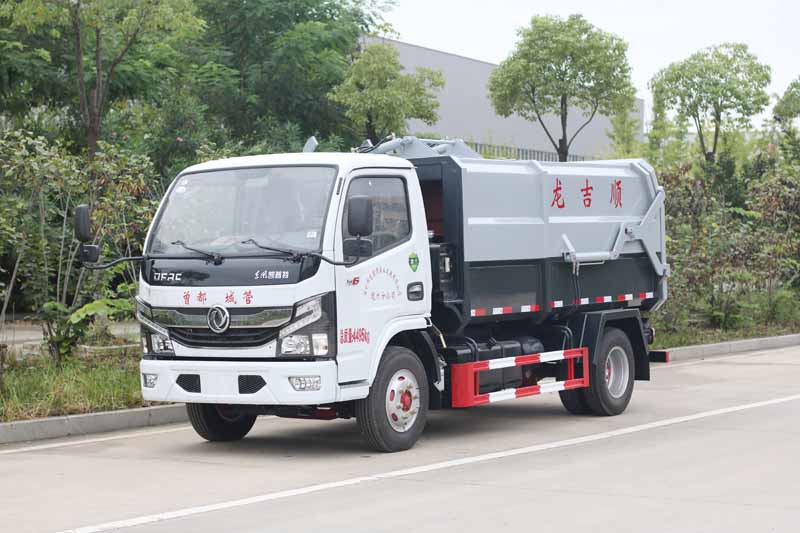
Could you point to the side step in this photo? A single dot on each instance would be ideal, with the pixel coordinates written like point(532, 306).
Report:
point(465, 386)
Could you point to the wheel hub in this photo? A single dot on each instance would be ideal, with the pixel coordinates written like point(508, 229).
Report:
point(617, 372)
point(402, 400)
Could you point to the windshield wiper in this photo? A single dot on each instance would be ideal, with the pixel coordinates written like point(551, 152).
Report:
point(292, 255)
point(213, 257)
point(297, 255)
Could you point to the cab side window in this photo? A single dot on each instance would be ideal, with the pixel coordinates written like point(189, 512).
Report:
point(391, 218)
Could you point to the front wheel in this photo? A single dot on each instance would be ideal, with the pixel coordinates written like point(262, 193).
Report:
point(612, 374)
point(219, 423)
point(393, 416)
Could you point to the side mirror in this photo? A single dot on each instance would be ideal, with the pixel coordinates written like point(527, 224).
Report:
point(359, 215)
point(83, 226)
point(353, 247)
point(89, 253)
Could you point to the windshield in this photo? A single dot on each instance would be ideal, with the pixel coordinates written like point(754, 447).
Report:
point(216, 211)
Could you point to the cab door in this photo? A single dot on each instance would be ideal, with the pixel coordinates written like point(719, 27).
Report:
point(391, 283)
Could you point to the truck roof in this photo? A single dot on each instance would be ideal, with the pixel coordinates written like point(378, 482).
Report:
point(345, 161)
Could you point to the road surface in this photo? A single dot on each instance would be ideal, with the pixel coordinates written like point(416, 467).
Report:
point(709, 445)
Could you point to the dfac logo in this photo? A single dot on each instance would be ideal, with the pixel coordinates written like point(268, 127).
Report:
point(167, 276)
point(218, 319)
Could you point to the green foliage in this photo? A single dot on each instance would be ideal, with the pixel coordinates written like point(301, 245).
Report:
point(61, 334)
point(624, 134)
point(285, 55)
point(558, 64)
point(378, 97)
point(714, 87)
point(64, 329)
point(788, 106)
point(732, 237)
point(104, 307)
point(41, 184)
point(105, 31)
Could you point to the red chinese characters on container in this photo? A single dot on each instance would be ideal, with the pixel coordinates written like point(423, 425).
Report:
point(230, 298)
point(202, 297)
point(187, 296)
point(616, 194)
point(354, 336)
point(248, 297)
point(587, 194)
point(558, 198)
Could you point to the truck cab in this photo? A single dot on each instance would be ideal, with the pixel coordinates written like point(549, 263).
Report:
point(309, 328)
point(375, 286)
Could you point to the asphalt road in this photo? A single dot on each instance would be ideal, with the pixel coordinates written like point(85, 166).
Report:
point(708, 445)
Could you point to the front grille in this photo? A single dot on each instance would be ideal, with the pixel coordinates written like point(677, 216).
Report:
point(251, 384)
point(189, 382)
point(233, 338)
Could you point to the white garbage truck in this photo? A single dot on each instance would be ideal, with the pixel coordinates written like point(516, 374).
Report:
point(401, 278)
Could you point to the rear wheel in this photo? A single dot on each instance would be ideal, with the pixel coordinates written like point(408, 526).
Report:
point(574, 401)
point(393, 416)
point(612, 374)
point(218, 422)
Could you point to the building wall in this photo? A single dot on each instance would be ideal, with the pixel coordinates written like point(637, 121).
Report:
point(466, 112)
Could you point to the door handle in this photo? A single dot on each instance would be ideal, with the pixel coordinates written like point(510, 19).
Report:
point(415, 291)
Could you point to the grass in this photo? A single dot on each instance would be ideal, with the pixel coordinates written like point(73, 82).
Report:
point(38, 388)
point(691, 337)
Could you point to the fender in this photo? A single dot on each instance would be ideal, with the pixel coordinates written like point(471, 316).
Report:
point(587, 329)
point(398, 325)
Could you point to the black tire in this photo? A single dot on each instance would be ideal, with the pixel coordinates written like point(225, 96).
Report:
point(574, 401)
point(598, 396)
point(371, 412)
point(219, 423)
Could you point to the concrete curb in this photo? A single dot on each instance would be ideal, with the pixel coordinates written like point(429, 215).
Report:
point(65, 426)
point(701, 351)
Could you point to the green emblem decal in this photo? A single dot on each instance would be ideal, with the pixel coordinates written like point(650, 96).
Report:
point(413, 261)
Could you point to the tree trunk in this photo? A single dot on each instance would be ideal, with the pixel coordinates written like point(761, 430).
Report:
point(372, 133)
point(563, 144)
point(92, 135)
point(20, 255)
point(563, 150)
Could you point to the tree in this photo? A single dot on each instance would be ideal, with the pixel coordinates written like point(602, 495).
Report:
point(788, 106)
point(286, 56)
point(558, 64)
point(624, 132)
point(712, 87)
point(105, 31)
point(379, 97)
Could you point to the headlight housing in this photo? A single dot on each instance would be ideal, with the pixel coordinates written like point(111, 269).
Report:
point(311, 333)
point(155, 339)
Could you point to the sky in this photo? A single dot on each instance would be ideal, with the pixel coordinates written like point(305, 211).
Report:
point(658, 33)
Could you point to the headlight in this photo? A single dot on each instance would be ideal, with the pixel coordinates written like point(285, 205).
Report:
point(156, 343)
point(296, 344)
point(160, 344)
point(312, 329)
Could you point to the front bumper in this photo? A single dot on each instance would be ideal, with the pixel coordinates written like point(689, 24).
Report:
point(219, 382)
